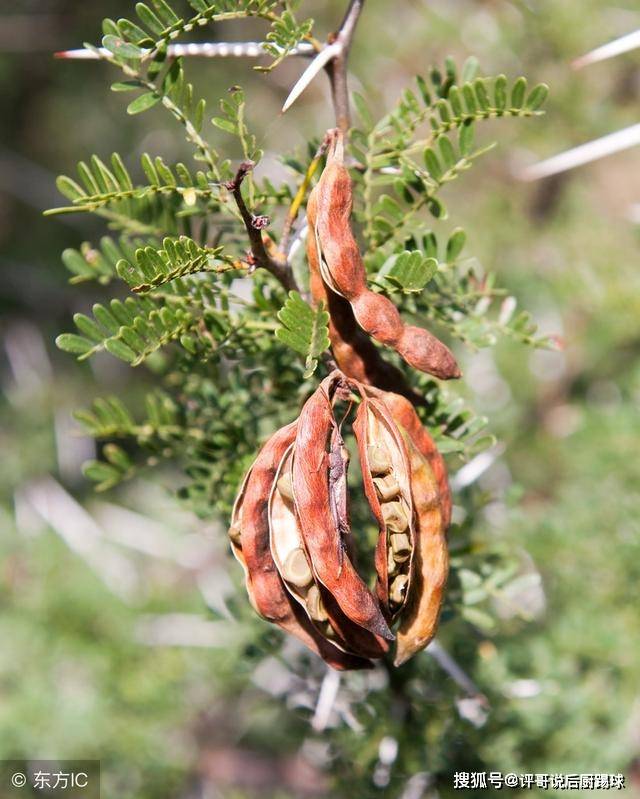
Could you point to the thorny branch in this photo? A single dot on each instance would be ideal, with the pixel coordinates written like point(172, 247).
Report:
point(337, 67)
point(254, 226)
point(277, 263)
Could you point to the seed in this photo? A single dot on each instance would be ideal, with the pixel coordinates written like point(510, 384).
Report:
point(234, 533)
point(398, 588)
point(400, 547)
point(284, 486)
point(395, 517)
point(296, 570)
point(392, 565)
point(328, 630)
point(379, 459)
point(315, 605)
point(387, 487)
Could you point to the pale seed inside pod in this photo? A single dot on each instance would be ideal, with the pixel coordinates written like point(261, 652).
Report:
point(284, 486)
point(398, 588)
point(387, 487)
point(234, 533)
point(400, 547)
point(379, 459)
point(395, 517)
point(315, 606)
point(328, 631)
point(392, 564)
point(296, 569)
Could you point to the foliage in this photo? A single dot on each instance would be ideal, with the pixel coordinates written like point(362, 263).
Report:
point(304, 330)
point(580, 666)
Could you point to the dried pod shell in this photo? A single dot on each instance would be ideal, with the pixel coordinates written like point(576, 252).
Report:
point(264, 585)
point(353, 350)
point(322, 540)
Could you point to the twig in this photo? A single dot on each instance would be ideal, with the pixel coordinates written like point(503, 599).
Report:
point(254, 226)
point(337, 67)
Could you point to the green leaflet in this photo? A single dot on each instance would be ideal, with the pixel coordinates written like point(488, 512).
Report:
point(304, 329)
point(409, 271)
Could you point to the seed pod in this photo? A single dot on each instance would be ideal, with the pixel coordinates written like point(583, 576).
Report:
point(252, 548)
point(353, 350)
point(432, 503)
point(338, 264)
point(322, 539)
point(387, 486)
point(408, 420)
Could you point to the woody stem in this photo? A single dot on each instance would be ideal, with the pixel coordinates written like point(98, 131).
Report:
point(337, 67)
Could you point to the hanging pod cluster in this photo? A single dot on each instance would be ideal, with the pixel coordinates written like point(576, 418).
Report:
point(291, 529)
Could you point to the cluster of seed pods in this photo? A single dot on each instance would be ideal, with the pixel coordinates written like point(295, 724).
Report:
point(292, 533)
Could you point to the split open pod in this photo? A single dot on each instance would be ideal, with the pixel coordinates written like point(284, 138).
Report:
point(292, 533)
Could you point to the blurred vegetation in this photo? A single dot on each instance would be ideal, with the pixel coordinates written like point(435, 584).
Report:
point(91, 665)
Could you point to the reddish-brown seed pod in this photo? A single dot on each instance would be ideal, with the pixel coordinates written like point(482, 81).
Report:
point(338, 261)
point(386, 477)
point(432, 503)
point(405, 415)
point(250, 542)
point(353, 350)
point(327, 552)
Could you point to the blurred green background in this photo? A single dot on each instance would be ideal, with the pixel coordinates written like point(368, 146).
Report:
point(114, 634)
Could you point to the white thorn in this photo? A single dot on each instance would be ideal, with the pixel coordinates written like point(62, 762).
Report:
point(631, 41)
point(202, 49)
point(326, 700)
point(476, 467)
point(318, 63)
point(584, 154)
